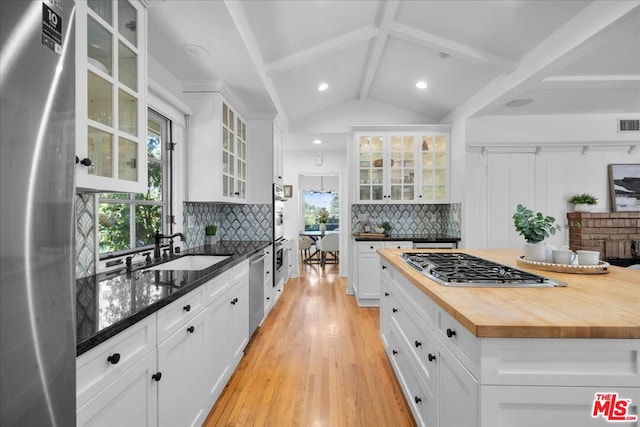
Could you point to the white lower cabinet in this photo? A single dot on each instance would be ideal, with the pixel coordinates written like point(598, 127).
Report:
point(130, 400)
point(168, 369)
point(181, 387)
point(451, 378)
point(367, 278)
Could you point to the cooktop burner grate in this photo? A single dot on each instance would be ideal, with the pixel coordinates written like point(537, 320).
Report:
point(459, 269)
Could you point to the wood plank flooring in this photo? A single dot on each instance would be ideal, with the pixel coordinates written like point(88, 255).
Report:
point(316, 361)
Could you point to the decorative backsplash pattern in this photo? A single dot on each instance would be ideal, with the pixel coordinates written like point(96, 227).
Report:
point(235, 222)
point(410, 219)
point(85, 235)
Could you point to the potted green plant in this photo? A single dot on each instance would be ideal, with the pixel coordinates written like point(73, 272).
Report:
point(210, 234)
point(385, 226)
point(534, 227)
point(322, 218)
point(583, 202)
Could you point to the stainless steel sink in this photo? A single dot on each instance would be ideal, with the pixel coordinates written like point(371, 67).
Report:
point(190, 262)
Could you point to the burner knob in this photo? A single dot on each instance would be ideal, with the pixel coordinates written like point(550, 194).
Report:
point(450, 332)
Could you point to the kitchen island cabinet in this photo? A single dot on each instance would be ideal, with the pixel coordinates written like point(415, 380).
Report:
point(491, 357)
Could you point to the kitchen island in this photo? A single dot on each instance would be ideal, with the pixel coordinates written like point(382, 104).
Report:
point(511, 356)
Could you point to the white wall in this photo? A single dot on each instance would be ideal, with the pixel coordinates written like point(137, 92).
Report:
point(298, 163)
point(509, 172)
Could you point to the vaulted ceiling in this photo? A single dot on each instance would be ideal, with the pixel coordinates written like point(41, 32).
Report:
point(566, 56)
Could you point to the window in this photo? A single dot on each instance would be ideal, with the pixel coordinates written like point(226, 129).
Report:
point(128, 221)
point(314, 204)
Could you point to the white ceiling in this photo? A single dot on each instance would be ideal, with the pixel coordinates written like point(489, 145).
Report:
point(567, 56)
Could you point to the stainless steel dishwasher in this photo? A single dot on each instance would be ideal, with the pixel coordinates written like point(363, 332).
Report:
point(256, 291)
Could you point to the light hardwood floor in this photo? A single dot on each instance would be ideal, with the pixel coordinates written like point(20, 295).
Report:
point(317, 360)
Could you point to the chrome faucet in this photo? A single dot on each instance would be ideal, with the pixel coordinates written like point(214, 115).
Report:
point(159, 237)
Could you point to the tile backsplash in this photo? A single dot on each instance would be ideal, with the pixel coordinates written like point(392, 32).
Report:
point(235, 222)
point(85, 210)
point(411, 219)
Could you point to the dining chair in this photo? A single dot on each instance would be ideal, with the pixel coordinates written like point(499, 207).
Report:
point(329, 244)
point(304, 246)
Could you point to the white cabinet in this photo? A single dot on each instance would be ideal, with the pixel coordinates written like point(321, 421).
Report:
point(217, 150)
point(277, 156)
point(217, 366)
point(268, 281)
point(450, 377)
point(111, 96)
point(407, 164)
point(130, 400)
point(181, 390)
point(239, 318)
point(367, 279)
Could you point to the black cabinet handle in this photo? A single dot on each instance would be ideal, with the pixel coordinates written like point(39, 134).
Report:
point(234, 301)
point(386, 294)
point(190, 329)
point(187, 307)
point(156, 376)
point(450, 332)
point(417, 344)
point(268, 298)
point(417, 399)
point(384, 267)
point(395, 310)
point(431, 357)
point(114, 358)
point(84, 162)
point(399, 247)
point(236, 193)
point(394, 352)
point(371, 247)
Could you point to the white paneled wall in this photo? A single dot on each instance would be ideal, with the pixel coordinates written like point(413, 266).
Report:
point(497, 182)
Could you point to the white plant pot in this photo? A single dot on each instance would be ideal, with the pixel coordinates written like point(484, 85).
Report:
point(210, 240)
point(535, 252)
point(323, 227)
point(582, 207)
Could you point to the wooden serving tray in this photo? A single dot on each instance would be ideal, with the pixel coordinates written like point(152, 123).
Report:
point(601, 268)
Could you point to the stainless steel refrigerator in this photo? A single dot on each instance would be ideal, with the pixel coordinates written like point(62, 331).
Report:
point(37, 146)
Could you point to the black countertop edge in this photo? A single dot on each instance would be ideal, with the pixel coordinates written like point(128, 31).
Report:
point(204, 276)
point(410, 237)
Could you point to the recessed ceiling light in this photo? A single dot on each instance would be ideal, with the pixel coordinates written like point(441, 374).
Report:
point(323, 86)
point(195, 50)
point(519, 102)
point(317, 141)
point(421, 84)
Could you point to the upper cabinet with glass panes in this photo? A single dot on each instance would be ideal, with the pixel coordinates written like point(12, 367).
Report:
point(111, 96)
point(403, 164)
point(217, 150)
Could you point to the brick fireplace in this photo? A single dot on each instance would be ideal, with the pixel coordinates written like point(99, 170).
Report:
point(615, 235)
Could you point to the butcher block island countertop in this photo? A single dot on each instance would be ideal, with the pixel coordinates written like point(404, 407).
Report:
point(591, 306)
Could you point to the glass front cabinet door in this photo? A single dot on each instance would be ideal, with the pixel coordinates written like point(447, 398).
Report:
point(111, 104)
point(403, 166)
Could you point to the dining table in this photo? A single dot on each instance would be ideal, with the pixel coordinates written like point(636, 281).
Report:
point(315, 235)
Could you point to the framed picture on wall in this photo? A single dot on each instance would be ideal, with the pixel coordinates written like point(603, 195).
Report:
point(624, 187)
point(288, 191)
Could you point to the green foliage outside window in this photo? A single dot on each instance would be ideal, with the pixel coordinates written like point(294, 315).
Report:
point(313, 212)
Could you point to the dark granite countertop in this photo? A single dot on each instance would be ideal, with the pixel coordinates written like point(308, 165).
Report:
point(416, 238)
point(108, 303)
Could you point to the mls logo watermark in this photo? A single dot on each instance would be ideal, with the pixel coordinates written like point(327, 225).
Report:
point(611, 408)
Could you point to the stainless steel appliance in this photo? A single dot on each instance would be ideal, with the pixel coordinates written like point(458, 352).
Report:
point(256, 291)
point(459, 269)
point(279, 260)
point(37, 146)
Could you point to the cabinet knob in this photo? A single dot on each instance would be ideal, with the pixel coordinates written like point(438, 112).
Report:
point(394, 352)
point(156, 376)
point(417, 399)
point(187, 307)
point(114, 358)
point(386, 294)
point(431, 357)
point(268, 298)
point(234, 301)
point(190, 329)
point(450, 332)
point(384, 267)
point(236, 193)
point(395, 310)
point(417, 343)
point(420, 196)
point(370, 247)
point(84, 162)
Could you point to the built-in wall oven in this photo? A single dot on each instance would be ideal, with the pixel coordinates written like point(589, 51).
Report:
point(279, 258)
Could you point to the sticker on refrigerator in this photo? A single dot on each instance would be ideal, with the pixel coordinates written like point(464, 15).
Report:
point(51, 29)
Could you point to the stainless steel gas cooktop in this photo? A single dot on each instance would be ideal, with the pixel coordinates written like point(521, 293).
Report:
point(459, 269)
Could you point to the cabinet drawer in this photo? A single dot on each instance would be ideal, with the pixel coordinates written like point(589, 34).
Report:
point(218, 286)
point(179, 312)
point(459, 340)
point(423, 305)
point(240, 271)
point(369, 247)
point(101, 365)
point(399, 245)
